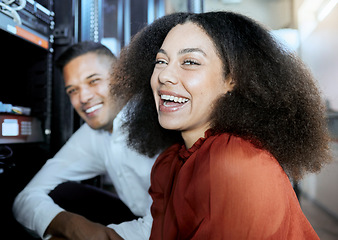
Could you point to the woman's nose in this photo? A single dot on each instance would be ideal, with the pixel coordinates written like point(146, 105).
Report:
point(168, 75)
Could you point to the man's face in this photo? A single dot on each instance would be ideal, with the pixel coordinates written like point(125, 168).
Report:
point(88, 87)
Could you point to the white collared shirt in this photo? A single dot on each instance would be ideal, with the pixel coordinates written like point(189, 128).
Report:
point(86, 154)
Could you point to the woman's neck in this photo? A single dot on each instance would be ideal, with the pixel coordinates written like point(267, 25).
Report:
point(190, 137)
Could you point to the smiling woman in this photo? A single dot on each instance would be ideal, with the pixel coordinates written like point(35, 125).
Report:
point(235, 114)
point(188, 67)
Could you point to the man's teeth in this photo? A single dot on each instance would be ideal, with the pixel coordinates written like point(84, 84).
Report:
point(93, 108)
point(174, 99)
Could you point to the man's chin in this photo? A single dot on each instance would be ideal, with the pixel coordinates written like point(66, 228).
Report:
point(97, 126)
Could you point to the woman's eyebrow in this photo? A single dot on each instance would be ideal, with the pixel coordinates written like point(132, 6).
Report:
point(184, 51)
point(190, 50)
point(162, 51)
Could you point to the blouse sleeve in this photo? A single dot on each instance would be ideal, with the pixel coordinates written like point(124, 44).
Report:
point(163, 169)
point(247, 193)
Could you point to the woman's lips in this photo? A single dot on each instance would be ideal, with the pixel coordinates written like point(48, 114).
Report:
point(171, 103)
point(175, 99)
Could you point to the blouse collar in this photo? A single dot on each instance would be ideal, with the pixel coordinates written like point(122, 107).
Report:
point(185, 153)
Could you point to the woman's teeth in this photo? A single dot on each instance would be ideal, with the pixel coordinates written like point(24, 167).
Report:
point(93, 108)
point(174, 99)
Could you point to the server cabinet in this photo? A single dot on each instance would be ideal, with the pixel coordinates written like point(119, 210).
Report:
point(36, 117)
point(35, 114)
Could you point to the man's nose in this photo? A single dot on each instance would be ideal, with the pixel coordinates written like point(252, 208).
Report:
point(85, 94)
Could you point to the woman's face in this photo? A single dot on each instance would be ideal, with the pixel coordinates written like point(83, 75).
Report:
point(187, 80)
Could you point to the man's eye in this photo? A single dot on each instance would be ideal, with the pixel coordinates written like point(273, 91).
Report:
point(71, 91)
point(93, 81)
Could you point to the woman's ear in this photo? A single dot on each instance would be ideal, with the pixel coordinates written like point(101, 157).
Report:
point(230, 83)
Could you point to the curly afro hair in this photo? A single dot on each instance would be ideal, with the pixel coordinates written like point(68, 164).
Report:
point(275, 103)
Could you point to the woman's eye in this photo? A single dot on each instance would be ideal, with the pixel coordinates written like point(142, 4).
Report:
point(160, 61)
point(190, 62)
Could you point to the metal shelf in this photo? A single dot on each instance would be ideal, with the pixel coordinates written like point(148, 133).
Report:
point(7, 24)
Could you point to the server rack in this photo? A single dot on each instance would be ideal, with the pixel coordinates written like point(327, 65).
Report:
point(29, 95)
point(36, 117)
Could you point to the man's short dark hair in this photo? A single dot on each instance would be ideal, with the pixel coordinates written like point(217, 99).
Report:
point(80, 49)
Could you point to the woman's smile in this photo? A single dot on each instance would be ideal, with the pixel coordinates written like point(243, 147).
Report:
point(170, 102)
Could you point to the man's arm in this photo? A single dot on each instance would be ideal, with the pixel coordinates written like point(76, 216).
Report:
point(66, 225)
point(76, 161)
point(135, 229)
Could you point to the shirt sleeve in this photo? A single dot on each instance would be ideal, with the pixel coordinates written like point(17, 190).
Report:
point(137, 229)
point(75, 161)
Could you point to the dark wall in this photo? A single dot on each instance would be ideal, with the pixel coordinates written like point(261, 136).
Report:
point(138, 15)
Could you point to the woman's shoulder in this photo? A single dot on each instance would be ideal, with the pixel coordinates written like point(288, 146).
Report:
point(231, 152)
point(238, 164)
point(167, 156)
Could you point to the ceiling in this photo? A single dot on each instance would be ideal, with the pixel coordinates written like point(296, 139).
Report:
point(308, 26)
point(275, 14)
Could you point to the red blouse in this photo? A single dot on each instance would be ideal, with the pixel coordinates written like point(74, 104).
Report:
point(224, 188)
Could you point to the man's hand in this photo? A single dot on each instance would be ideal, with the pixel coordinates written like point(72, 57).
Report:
point(70, 226)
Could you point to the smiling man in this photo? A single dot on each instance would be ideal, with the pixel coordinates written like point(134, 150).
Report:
point(98, 147)
point(87, 85)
